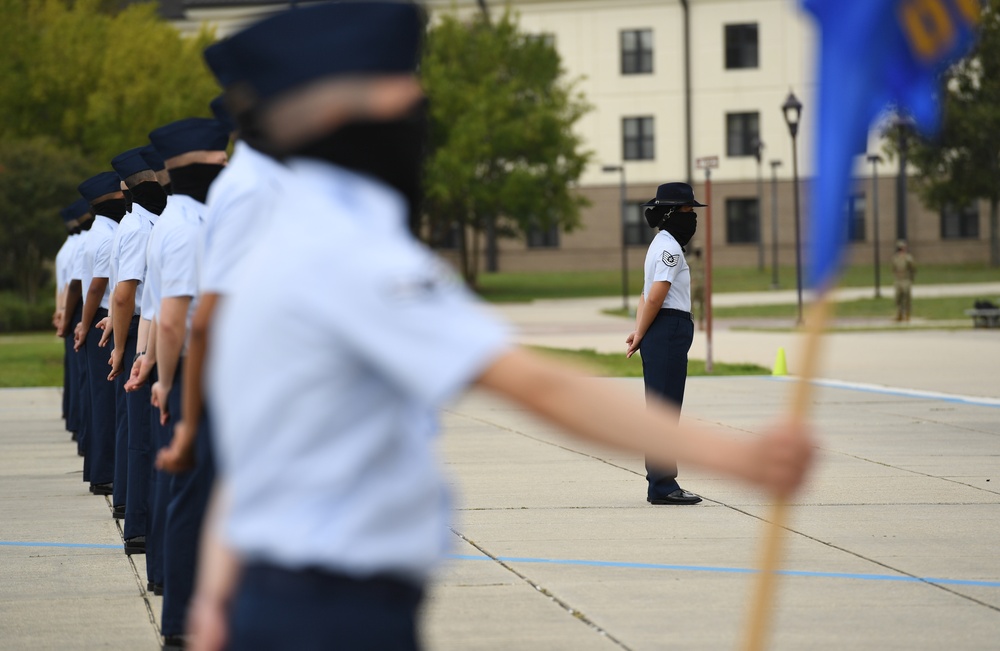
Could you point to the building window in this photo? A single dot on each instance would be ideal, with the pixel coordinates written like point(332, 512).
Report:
point(637, 51)
point(637, 231)
point(856, 207)
point(637, 139)
point(540, 237)
point(960, 223)
point(741, 46)
point(742, 221)
point(742, 131)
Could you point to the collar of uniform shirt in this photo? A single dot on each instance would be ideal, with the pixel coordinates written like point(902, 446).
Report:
point(371, 204)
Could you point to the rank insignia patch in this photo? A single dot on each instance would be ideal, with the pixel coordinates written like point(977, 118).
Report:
point(670, 260)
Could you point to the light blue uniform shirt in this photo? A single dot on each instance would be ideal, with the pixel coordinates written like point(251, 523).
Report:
point(128, 250)
point(341, 340)
point(65, 260)
point(172, 255)
point(665, 261)
point(96, 260)
point(238, 201)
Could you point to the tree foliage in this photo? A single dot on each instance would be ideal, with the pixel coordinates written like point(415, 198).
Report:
point(504, 156)
point(37, 179)
point(96, 81)
point(962, 163)
point(83, 81)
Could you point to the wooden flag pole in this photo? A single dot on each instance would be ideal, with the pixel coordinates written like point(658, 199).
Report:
point(762, 605)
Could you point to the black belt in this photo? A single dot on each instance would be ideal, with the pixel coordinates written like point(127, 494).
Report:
point(672, 312)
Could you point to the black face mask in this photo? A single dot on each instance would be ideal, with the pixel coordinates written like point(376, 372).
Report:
point(151, 196)
point(128, 199)
point(194, 179)
point(85, 226)
point(112, 209)
point(682, 225)
point(169, 188)
point(390, 151)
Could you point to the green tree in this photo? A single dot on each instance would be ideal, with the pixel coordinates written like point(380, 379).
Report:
point(37, 179)
point(93, 80)
point(504, 157)
point(962, 163)
point(83, 80)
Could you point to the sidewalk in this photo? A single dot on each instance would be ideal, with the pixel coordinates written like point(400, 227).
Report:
point(892, 546)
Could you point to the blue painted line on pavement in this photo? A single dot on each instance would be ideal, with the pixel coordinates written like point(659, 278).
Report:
point(8, 543)
point(898, 392)
point(732, 570)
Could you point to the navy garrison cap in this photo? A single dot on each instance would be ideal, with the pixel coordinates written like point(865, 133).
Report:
point(100, 185)
point(221, 113)
point(152, 158)
point(294, 48)
point(74, 211)
point(220, 61)
point(130, 162)
point(191, 134)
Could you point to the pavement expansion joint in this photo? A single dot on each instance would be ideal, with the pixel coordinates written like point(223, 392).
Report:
point(900, 572)
point(573, 612)
point(139, 582)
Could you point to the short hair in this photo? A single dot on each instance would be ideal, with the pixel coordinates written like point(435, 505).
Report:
point(140, 177)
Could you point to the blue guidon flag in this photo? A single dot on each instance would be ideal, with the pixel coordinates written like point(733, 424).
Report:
point(874, 54)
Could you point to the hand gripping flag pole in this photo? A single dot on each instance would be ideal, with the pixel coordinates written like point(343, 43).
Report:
point(874, 55)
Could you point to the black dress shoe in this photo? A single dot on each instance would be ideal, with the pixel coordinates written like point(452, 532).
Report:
point(149, 586)
point(679, 496)
point(101, 489)
point(135, 545)
point(158, 589)
point(173, 643)
point(118, 512)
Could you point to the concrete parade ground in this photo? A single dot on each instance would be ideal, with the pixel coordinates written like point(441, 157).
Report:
point(894, 544)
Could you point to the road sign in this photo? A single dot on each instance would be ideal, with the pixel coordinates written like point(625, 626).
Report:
point(707, 162)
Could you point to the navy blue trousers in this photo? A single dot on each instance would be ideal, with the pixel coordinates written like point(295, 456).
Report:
point(83, 400)
point(139, 465)
point(72, 391)
point(159, 493)
point(189, 494)
point(664, 352)
point(101, 448)
point(66, 387)
point(310, 610)
point(119, 496)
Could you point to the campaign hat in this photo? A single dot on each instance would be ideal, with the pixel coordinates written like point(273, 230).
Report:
point(674, 194)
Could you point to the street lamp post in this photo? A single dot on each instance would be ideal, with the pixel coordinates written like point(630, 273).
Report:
point(875, 159)
point(792, 109)
point(623, 208)
point(775, 164)
point(902, 124)
point(758, 149)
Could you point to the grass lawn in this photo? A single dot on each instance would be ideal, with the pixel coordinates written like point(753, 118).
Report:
point(520, 287)
point(31, 360)
point(616, 365)
point(35, 360)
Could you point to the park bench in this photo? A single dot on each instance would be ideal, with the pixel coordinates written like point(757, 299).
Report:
point(984, 315)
